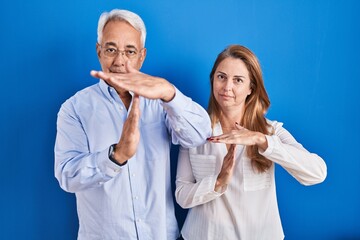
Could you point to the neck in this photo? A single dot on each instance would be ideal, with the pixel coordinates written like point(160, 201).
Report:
point(229, 118)
point(125, 98)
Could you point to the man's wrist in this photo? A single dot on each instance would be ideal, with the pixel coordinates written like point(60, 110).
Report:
point(111, 155)
point(170, 94)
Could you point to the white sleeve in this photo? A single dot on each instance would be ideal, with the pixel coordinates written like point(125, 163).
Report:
point(195, 179)
point(307, 168)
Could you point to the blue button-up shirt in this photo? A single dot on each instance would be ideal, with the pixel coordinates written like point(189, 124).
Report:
point(133, 201)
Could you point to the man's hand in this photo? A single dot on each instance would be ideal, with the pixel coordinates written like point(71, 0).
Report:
point(130, 137)
point(139, 83)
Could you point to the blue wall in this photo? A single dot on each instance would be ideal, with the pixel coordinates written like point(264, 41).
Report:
point(309, 51)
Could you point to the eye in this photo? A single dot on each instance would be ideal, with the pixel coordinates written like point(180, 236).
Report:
point(221, 76)
point(110, 52)
point(130, 52)
point(238, 80)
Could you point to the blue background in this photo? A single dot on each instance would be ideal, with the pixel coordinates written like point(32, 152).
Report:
point(309, 51)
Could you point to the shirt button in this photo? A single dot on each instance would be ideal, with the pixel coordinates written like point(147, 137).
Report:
point(177, 129)
point(136, 197)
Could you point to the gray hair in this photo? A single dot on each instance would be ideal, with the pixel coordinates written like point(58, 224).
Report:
point(118, 14)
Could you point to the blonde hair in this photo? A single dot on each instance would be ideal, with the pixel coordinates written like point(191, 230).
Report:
point(256, 104)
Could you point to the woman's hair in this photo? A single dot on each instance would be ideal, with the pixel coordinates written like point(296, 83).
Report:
point(123, 15)
point(256, 104)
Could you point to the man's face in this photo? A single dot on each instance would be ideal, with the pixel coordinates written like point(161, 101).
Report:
point(120, 43)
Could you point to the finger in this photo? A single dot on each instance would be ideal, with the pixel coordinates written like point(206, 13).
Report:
point(231, 150)
point(135, 109)
point(220, 138)
point(94, 74)
point(238, 126)
point(98, 74)
point(135, 102)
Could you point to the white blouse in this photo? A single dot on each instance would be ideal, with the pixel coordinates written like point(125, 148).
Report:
point(247, 208)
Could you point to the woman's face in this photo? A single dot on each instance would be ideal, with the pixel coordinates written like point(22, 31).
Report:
point(231, 84)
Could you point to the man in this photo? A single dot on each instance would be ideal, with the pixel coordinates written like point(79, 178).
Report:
point(113, 139)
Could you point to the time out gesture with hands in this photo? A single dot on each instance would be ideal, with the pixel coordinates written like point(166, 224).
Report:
point(238, 136)
point(139, 83)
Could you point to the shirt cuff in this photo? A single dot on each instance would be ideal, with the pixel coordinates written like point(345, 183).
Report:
point(177, 104)
point(206, 189)
point(106, 166)
point(271, 144)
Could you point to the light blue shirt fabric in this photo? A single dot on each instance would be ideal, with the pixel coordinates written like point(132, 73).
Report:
point(133, 201)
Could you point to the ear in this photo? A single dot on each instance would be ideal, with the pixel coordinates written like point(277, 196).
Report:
point(142, 56)
point(98, 50)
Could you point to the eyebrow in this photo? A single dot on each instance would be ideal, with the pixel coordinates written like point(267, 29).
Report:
point(236, 76)
point(114, 44)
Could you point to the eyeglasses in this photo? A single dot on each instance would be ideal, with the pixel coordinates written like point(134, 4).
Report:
point(113, 52)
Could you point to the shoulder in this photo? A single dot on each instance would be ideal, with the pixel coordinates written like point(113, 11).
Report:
point(274, 125)
point(84, 97)
point(86, 93)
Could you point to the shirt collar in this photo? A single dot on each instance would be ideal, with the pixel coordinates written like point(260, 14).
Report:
point(105, 88)
point(110, 92)
point(217, 129)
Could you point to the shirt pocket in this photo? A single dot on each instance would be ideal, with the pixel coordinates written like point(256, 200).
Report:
point(254, 181)
point(203, 165)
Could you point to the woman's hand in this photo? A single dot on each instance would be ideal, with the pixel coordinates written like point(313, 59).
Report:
point(227, 169)
point(242, 136)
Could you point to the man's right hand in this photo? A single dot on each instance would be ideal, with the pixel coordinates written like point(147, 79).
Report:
point(137, 82)
point(130, 136)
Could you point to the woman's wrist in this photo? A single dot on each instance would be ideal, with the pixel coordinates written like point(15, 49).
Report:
point(261, 141)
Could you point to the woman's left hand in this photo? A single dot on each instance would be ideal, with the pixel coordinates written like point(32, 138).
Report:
point(241, 136)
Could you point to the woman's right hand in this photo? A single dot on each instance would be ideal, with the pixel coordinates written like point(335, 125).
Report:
point(227, 169)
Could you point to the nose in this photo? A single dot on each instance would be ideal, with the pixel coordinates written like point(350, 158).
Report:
point(228, 85)
point(120, 59)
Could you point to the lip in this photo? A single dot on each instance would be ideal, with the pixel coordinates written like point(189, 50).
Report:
point(226, 97)
point(116, 72)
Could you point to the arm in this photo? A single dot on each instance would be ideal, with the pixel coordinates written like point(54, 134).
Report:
point(195, 179)
point(188, 122)
point(308, 168)
point(76, 168)
point(281, 148)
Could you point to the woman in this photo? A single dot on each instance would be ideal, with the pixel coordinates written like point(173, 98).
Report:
point(229, 183)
